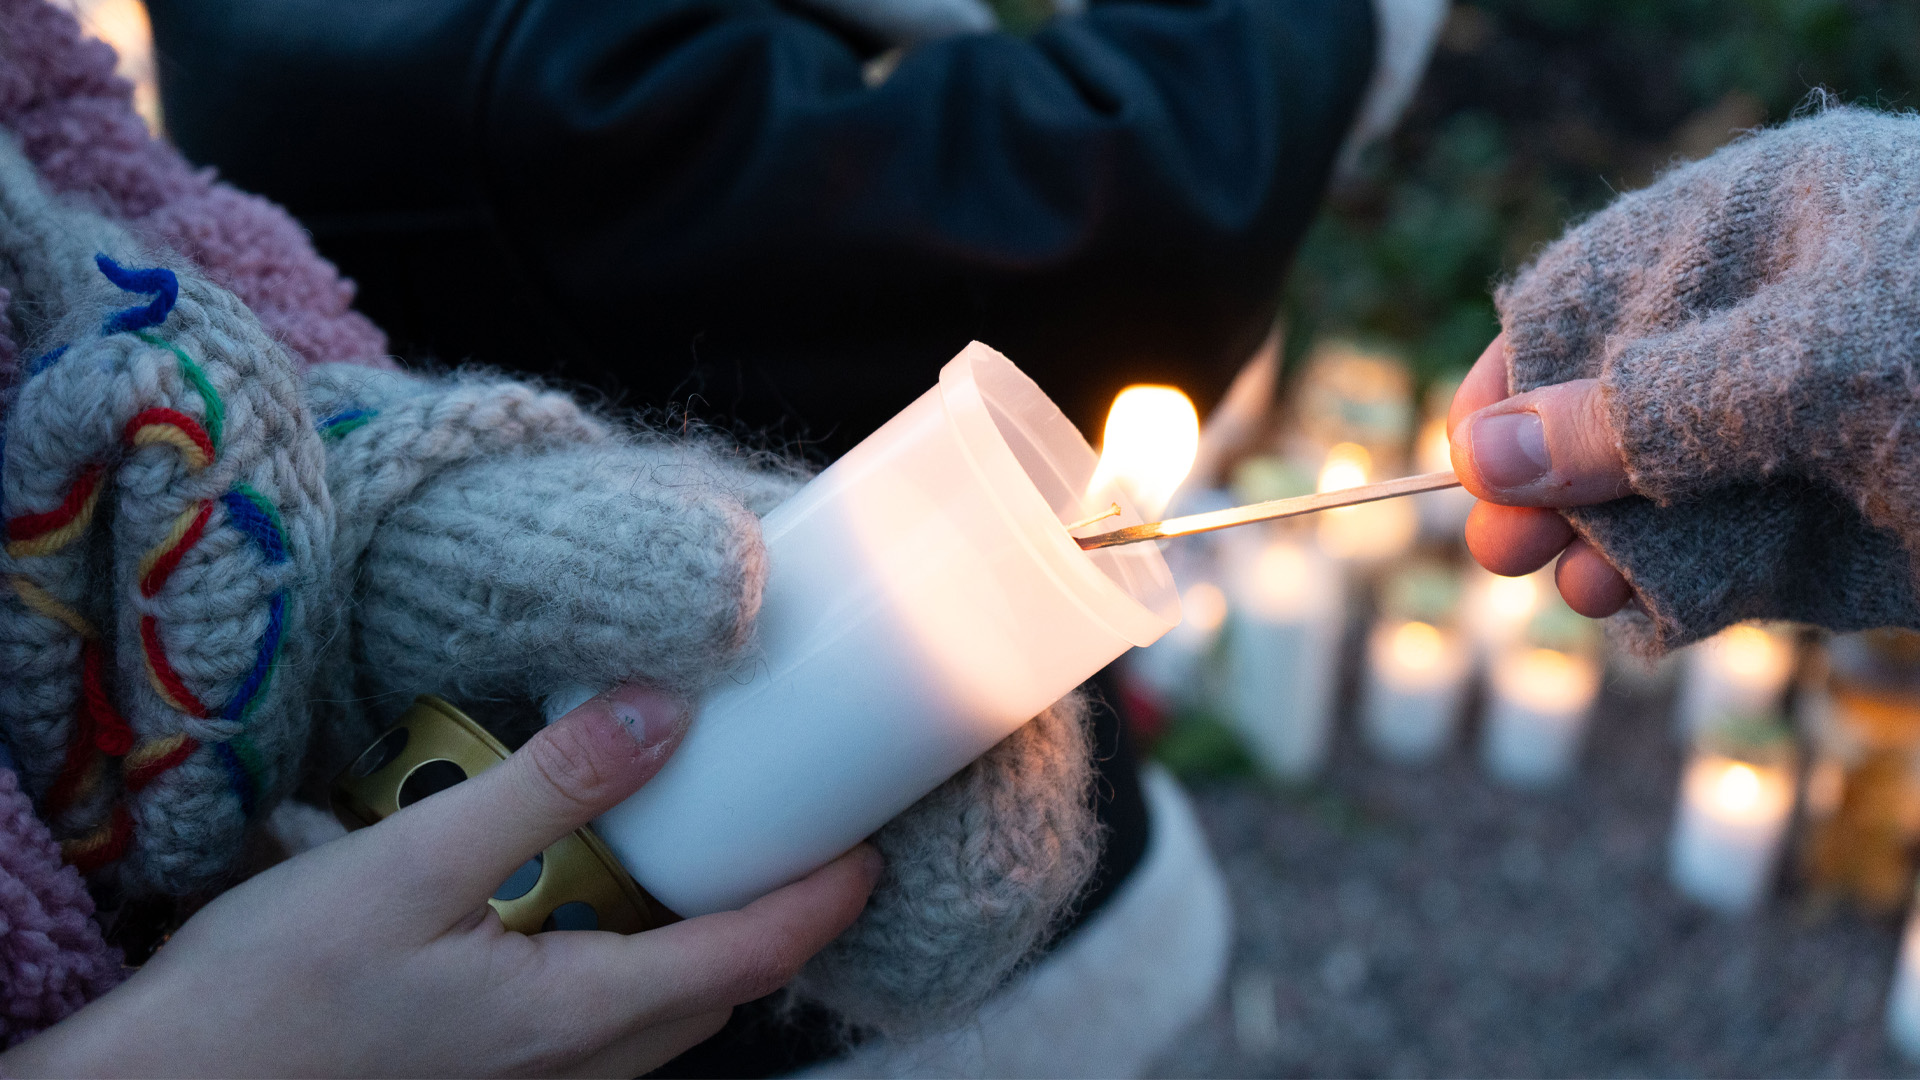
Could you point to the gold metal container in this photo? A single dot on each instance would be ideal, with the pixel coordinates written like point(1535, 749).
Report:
point(576, 884)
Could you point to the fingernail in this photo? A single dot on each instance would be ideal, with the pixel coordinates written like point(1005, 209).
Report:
point(1510, 449)
point(654, 719)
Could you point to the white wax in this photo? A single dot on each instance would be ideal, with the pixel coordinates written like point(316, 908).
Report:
point(1903, 1001)
point(1537, 709)
point(1728, 830)
point(1742, 671)
point(1416, 677)
point(923, 601)
point(1283, 650)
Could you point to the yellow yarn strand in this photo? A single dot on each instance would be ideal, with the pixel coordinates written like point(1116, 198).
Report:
point(42, 602)
point(47, 543)
point(149, 752)
point(174, 535)
point(169, 435)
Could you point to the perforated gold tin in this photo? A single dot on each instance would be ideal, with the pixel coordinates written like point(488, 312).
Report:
point(576, 884)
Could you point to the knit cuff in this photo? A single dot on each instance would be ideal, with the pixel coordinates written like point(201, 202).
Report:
point(979, 874)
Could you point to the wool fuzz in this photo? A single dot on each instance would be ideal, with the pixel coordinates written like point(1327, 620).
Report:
point(979, 873)
point(1754, 319)
point(74, 117)
point(167, 526)
point(52, 960)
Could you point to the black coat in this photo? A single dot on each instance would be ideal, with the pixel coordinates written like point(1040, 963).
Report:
point(701, 200)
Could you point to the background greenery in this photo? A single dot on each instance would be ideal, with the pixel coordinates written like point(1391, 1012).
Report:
point(1535, 112)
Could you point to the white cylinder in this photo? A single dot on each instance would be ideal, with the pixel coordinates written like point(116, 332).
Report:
point(1537, 706)
point(1283, 649)
point(1728, 831)
point(924, 600)
point(1416, 678)
point(1739, 673)
point(1903, 1002)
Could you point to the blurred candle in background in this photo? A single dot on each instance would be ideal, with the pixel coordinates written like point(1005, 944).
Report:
point(1499, 608)
point(1903, 1002)
point(1538, 702)
point(1731, 823)
point(1371, 532)
point(1443, 514)
point(1740, 672)
point(1172, 670)
point(1288, 604)
point(1416, 679)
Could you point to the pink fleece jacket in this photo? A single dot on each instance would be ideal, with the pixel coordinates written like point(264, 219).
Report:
point(74, 118)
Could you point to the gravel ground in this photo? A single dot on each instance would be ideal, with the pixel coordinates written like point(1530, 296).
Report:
point(1423, 922)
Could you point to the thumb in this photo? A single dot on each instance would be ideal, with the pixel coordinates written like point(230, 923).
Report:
point(1546, 447)
point(576, 769)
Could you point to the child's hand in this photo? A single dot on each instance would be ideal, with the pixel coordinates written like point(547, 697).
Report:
point(377, 954)
point(1524, 454)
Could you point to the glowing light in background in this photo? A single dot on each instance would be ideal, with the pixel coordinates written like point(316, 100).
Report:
point(1347, 466)
point(1752, 652)
point(1737, 789)
point(1204, 606)
point(1151, 438)
point(123, 24)
point(1417, 646)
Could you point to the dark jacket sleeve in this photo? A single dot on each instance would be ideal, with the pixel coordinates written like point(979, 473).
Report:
point(703, 198)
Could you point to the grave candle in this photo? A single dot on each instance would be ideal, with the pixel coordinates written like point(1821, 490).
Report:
point(1740, 672)
point(1371, 532)
point(1537, 708)
point(1731, 822)
point(924, 600)
point(1416, 677)
point(1903, 1002)
point(1288, 604)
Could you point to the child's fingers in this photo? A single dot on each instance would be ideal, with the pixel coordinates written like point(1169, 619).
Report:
point(1515, 540)
point(721, 960)
point(578, 768)
point(1547, 447)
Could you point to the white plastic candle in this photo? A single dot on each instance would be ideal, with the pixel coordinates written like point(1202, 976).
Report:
point(1728, 831)
point(1742, 671)
point(1370, 532)
point(1499, 608)
point(1538, 701)
point(1416, 677)
point(923, 601)
point(1903, 1002)
point(1283, 642)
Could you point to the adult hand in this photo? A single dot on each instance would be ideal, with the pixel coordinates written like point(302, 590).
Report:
point(377, 955)
point(1525, 455)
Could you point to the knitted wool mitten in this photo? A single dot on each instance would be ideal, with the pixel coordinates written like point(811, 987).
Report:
point(1754, 319)
point(502, 543)
point(166, 526)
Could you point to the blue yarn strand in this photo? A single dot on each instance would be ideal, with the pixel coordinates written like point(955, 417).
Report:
point(245, 513)
point(236, 776)
point(158, 282)
point(242, 701)
point(45, 360)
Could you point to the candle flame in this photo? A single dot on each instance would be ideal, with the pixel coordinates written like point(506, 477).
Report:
point(1204, 606)
point(1152, 437)
point(1752, 652)
point(1513, 599)
point(1547, 680)
point(1738, 788)
point(1347, 466)
point(1417, 646)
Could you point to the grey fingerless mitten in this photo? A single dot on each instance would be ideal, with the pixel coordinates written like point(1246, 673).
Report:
point(1754, 319)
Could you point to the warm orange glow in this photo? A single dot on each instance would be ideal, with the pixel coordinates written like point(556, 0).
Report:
point(123, 24)
point(1417, 646)
point(1152, 436)
point(1435, 451)
point(1547, 681)
point(1512, 599)
point(1738, 788)
point(1347, 466)
point(1753, 654)
point(1204, 606)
